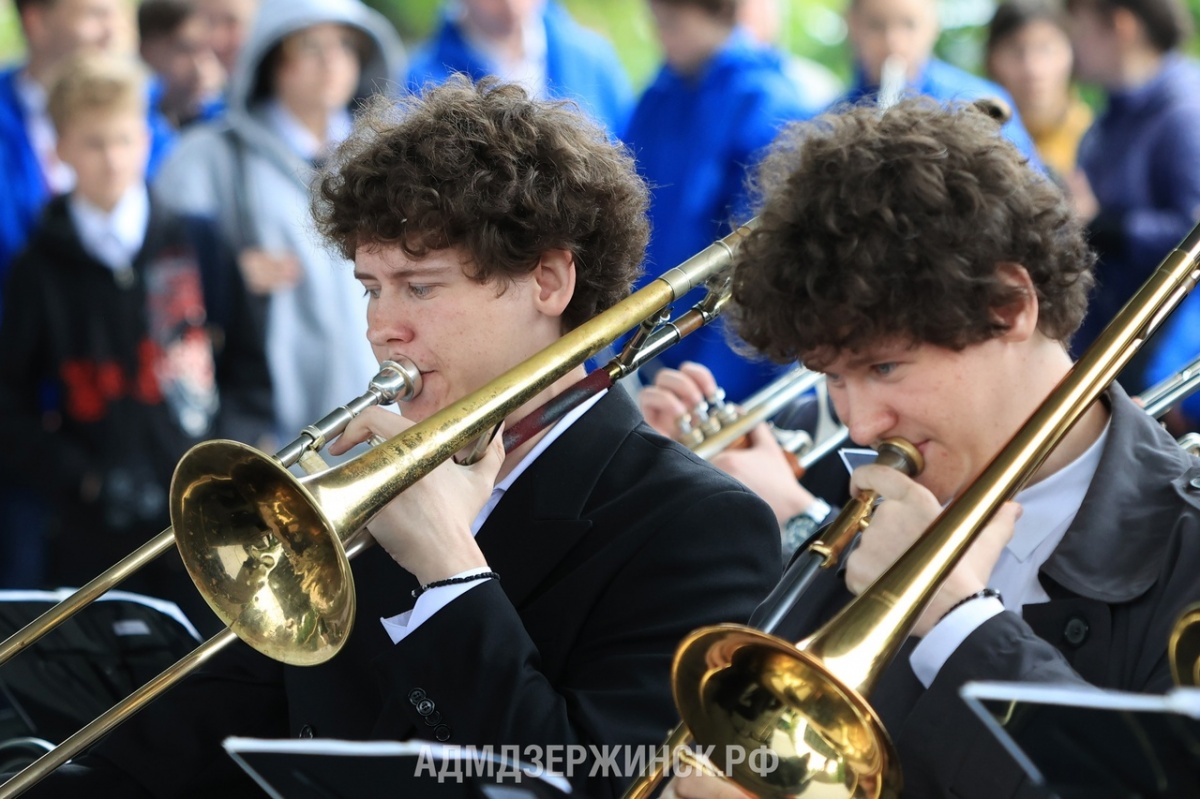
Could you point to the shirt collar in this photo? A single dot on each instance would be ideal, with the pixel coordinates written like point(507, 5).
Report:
point(300, 139)
point(541, 446)
point(30, 93)
point(1049, 506)
point(113, 237)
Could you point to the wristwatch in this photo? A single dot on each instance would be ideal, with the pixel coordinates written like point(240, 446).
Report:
point(797, 529)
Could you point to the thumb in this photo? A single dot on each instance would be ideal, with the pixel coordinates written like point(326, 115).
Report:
point(761, 435)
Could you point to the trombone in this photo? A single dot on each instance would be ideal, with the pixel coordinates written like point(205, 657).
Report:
point(241, 517)
point(735, 686)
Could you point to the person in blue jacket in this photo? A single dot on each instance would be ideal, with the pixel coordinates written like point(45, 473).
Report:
point(532, 42)
point(718, 100)
point(1138, 187)
point(892, 42)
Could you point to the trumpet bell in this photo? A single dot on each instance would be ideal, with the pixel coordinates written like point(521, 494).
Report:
point(262, 553)
point(758, 692)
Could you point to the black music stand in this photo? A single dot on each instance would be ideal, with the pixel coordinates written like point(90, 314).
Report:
point(1080, 743)
point(332, 769)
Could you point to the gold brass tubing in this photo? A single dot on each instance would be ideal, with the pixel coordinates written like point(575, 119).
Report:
point(856, 515)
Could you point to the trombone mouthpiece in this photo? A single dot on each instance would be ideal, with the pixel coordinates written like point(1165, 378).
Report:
point(397, 381)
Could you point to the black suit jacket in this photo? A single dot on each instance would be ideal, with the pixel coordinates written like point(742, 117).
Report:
point(1117, 582)
point(611, 547)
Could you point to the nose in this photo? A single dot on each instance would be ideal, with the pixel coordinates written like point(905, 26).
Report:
point(387, 323)
point(864, 411)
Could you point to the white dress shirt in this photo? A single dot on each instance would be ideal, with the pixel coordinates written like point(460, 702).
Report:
point(115, 237)
point(300, 139)
point(1048, 508)
point(433, 600)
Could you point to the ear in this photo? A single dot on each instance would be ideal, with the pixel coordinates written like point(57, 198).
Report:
point(554, 282)
point(1021, 315)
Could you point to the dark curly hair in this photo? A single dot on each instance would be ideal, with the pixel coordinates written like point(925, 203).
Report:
point(877, 225)
point(505, 178)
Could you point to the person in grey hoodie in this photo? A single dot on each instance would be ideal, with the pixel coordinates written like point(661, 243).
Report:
point(304, 67)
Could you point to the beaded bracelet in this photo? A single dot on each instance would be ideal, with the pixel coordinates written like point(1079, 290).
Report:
point(984, 593)
point(469, 578)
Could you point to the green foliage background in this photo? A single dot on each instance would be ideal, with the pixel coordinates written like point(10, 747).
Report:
point(812, 28)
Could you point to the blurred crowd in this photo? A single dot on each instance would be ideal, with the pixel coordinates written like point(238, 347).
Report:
point(161, 282)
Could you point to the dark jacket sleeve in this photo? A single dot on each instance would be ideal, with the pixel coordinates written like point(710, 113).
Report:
point(710, 564)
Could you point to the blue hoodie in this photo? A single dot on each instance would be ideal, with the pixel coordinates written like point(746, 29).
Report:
point(945, 82)
point(695, 139)
point(580, 65)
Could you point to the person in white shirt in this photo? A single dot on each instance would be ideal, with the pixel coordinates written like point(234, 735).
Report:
point(915, 258)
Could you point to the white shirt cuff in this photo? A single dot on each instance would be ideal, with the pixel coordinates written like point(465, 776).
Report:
point(428, 603)
point(947, 635)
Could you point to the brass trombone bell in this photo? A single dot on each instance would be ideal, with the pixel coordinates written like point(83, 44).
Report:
point(760, 690)
point(286, 590)
point(1183, 648)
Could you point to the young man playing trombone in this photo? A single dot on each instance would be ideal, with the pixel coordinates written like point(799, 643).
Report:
point(553, 583)
point(916, 258)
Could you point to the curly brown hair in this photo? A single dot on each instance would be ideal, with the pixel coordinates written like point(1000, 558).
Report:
point(504, 178)
point(884, 225)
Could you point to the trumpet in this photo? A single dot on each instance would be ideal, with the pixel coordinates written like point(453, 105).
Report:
point(1161, 397)
point(735, 686)
point(240, 516)
point(723, 426)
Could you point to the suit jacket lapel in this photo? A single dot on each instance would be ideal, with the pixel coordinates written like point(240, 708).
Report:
point(538, 521)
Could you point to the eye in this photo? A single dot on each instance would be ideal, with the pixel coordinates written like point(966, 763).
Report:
point(420, 290)
point(373, 293)
point(832, 379)
point(884, 369)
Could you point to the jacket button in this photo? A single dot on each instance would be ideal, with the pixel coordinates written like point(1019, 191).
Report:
point(307, 731)
point(425, 707)
point(442, 732)
point(1195, 483)
point(434, 719)
point(416, 695)
point(1076, 631)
